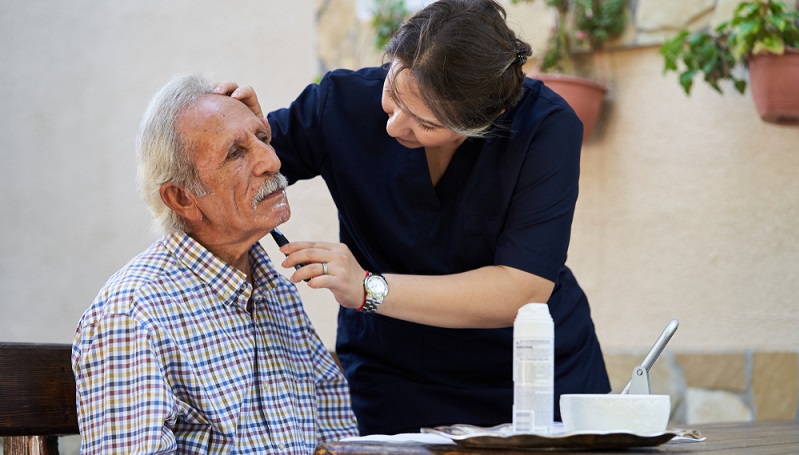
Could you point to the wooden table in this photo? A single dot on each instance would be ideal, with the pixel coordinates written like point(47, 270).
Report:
point(763, 437)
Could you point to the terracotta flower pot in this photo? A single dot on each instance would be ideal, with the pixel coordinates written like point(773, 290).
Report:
point(774, 80)
point(583, 95)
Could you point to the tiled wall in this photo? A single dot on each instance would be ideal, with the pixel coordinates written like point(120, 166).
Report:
point(719, 387)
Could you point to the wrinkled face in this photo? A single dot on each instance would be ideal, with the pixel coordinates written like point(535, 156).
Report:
point(230, 148)
point(410, 121)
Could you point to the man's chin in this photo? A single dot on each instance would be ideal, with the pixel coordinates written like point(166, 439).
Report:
point(276, 207)
point(283, 216)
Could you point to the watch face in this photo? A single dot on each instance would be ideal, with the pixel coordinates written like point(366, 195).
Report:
point(377, 285)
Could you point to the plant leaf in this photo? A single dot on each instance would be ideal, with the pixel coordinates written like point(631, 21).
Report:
point(687, 81)
point(771, 44)
point(740, 85)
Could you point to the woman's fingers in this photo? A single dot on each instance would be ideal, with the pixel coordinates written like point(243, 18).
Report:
point(244, 93)
point(226, 88)
point(328, 265)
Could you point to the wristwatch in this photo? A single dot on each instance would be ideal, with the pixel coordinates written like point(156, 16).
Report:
point(376, 289)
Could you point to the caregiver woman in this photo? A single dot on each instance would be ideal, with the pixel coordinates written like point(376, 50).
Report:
point(455, 179)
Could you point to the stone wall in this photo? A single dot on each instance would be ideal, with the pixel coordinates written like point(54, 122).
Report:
point(707, 386)
point(347, 41)
point(718, 387)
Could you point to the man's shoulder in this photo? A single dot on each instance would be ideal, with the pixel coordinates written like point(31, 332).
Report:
point(137, 283)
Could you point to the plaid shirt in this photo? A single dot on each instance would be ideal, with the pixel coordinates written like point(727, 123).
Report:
point(168, 360)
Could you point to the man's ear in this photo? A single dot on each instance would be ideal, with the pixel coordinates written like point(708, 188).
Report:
point(180, 201)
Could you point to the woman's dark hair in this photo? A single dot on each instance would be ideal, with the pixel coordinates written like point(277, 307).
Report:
point(465, 59)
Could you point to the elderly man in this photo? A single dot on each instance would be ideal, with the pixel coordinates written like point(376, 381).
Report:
point(198, 345)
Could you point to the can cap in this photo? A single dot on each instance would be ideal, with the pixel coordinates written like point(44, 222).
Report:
point(534, 310)
point(533, 319)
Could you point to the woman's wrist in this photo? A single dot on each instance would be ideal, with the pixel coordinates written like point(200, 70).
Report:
point(363, 302)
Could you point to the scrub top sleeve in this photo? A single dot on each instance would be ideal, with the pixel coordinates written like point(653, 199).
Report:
point(298, 135)
point(538, 226)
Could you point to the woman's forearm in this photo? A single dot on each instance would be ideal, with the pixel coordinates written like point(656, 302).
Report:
point(488, 297)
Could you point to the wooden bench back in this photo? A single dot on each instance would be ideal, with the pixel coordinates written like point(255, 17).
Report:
point(37, 397)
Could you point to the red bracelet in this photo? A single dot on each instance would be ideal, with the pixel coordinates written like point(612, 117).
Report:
point(364, 294)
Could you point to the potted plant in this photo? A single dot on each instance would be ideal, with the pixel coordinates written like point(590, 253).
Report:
point(387, 16)
point(580, 27)
point(763, 36)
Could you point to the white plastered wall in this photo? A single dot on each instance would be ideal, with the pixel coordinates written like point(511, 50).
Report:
point(75, 78)
point(689, 207)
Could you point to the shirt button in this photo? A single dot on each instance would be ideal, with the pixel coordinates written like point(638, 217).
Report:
point(227, 295)
point(282, 446)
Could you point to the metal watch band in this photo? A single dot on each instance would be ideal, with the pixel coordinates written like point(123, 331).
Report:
point(374, 297)
point(371, 305)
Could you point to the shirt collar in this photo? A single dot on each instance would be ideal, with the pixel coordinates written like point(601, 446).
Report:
point(230, 283)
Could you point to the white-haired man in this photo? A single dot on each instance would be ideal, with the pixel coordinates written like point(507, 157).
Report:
point(198, 345)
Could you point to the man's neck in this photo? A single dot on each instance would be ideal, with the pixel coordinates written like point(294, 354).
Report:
point(237, 254)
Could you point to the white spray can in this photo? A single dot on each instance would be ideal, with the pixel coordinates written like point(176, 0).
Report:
point(533, 369)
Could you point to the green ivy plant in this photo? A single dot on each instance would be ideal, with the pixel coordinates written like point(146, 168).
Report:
point(387, 18)
point(580, 26)
point(719, 54)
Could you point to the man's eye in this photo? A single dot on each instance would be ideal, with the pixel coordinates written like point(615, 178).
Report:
point(264, 138)
point(235, 152)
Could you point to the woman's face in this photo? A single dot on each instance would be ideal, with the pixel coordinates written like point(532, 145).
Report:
point(413, 125)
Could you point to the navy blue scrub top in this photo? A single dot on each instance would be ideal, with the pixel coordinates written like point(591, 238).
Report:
point(506, 200)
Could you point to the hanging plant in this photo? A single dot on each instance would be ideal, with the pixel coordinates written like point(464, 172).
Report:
point(386, 20)
point(757, 27)
point(580, 26)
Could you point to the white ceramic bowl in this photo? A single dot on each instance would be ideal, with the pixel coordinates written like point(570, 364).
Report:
point(637, 414)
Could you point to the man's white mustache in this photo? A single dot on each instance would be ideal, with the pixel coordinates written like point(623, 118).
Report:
point(275, 183)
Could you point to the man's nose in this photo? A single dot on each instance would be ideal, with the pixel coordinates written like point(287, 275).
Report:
point(268, 162)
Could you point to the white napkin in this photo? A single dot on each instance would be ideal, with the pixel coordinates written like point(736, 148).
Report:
point(402, 438)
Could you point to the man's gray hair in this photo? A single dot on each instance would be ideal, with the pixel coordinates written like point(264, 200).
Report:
point(162, 156)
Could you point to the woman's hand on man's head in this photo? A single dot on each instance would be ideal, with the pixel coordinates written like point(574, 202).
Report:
point(244, 93)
